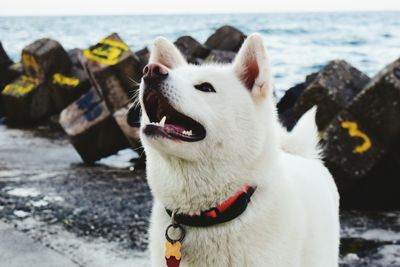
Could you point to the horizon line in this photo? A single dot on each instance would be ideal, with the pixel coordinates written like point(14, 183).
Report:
point(200, 13)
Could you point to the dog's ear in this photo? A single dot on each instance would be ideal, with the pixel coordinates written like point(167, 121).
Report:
point(166, 53)
point(251, 65)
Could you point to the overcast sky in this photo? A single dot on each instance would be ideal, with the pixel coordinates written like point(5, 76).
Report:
point(114, 7)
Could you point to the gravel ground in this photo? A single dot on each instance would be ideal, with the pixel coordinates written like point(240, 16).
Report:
point(98, 215)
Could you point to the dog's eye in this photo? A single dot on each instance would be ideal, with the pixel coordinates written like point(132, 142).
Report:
point(205, 87)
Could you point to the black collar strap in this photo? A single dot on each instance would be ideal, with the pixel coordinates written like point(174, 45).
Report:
point(227, 211)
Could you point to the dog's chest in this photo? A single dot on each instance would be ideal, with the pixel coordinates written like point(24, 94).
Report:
point(205, 247)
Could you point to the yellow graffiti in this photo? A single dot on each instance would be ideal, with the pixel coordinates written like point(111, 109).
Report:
point(29, 61)
point(113, 43)
point(355, 132)
point(21, 86)
point(60, 79)
point(106, 51)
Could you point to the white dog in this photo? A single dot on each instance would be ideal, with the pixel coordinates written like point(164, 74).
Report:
point(245, 191)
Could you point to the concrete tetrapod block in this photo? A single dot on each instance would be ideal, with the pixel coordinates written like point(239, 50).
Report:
point(286, 104)
point(192, 49)
point(131, 133)
point(113, 70)
point(378, 105)
point(65, 89)
point(43, 58)
point(91, 127)
point(226, 38)
point(350, 149)
point(332, 90)
point(26, 100)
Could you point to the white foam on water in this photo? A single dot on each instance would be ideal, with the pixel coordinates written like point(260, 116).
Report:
point(390, 255)
point(43, 176)
point(21, 213)
point(350, 258)
point(121, 160)
point(10, 173)
point(53, 198)
point(380, 235)
point(24, 192)
point(39, 203)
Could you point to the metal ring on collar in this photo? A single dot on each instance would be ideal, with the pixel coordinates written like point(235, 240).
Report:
point(175, 226)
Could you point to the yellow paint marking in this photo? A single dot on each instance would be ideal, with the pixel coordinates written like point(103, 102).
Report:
point(21, 86)
point(113, 43)
point(60, 79)
point(30, 62)
point(106, 51)
point(355, 132)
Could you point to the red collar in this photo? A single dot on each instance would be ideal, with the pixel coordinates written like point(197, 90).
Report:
point(224, 212)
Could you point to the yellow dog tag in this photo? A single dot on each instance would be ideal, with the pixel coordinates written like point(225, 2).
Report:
point(173, 250)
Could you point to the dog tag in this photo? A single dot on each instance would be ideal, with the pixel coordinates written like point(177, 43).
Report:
point(173, 246)
point(173, 253)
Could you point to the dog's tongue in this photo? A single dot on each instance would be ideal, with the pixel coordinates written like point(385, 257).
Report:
point(173, 128)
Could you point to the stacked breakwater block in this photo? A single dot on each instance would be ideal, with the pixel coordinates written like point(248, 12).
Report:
point(192, 49)
point(362, 144)
point(369, 127)
point(378, 106)
point(332, 90)
point(66, 88)
point(91, 127)
point(113, 70)
point(7, 73)
point(226, 38)
point(25, 100)
point(43, 58)
point(131, 133)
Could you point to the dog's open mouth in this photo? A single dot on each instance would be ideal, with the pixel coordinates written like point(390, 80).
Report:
point(168, 122)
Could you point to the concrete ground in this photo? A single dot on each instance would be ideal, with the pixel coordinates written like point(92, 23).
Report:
point(17, 249)
point(56, 211)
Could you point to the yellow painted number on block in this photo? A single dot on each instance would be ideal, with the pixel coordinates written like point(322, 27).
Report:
point(60, 79)
point(21, 86)
point(106, 51)
point(355, 132)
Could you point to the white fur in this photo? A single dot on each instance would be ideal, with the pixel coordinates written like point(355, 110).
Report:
point(292, 219)
point(303, 139)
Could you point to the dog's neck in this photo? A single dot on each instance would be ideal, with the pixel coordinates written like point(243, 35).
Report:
point(192, 187)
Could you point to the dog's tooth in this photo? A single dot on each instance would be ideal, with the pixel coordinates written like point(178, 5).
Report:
point(162, 121)
point(189, 132)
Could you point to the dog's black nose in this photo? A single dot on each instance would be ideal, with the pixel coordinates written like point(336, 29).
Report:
point(154, 72)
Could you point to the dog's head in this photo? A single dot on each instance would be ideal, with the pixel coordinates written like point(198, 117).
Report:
point(209, 112)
